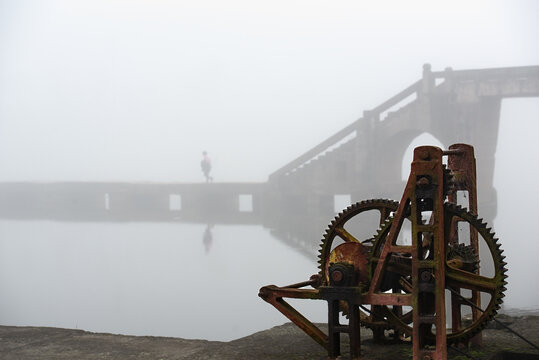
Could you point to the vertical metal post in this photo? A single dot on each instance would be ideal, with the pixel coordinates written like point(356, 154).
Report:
point(428, 264)
point(461, 162)
point(352, 296)
point(334, 335)
point(355, 330)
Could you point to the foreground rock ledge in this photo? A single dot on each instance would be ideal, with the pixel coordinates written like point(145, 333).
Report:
point(281, 342)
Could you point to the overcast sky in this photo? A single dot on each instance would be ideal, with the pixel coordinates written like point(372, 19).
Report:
point(135, 90)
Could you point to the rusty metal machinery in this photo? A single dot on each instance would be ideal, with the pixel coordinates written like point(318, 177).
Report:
point(419, 276)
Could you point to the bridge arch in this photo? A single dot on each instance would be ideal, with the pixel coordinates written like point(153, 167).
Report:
point(394, 159)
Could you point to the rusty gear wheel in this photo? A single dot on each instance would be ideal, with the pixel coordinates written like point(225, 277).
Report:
point(337, 228)
point(464, 277)
point(340, 238)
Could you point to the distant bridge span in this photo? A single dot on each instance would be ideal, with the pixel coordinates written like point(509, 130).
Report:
point(362, 160)
point(115, 201)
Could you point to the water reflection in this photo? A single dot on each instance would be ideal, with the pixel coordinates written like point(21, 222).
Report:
point(207, 238)
point(146, 278)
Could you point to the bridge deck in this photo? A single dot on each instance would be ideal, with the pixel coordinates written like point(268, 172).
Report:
point(115, 201)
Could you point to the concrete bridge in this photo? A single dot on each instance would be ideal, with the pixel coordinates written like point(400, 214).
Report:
point(361, 161)
point(239, 203)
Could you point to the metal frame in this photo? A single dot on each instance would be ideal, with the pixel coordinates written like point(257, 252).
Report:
point(423, 198)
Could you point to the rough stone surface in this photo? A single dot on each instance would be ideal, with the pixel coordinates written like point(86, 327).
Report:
point(281, 342)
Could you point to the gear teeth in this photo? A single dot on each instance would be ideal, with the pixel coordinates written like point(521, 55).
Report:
point(457, 212)
point(449, 181)
point(454, 211)
point(341, 218)
point(381, 205)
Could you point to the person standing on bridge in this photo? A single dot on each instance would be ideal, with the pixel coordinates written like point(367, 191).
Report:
point(205, 164)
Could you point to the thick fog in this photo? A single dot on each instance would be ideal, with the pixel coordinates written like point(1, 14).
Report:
point(134, 91)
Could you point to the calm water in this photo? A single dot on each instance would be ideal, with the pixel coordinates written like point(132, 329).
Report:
point(162, 279)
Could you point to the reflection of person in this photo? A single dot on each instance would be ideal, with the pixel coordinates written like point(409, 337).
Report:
point(205, 164)
point(207, 238)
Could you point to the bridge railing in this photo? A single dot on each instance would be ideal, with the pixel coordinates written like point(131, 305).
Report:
point(342, 136)
point(509, 72)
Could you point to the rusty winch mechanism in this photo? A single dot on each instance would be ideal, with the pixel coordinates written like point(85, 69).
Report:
point(427, 286)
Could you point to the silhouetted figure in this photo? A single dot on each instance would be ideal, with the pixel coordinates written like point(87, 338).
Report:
point(207, 238)
point(205, 164)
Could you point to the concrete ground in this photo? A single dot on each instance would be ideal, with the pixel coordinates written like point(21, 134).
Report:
point(281, 342)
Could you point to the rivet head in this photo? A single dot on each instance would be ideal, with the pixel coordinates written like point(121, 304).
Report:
point(424, 155)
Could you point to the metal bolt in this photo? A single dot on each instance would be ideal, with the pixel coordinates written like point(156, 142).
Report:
point(425, 276)
point(424, 155)
point(315, 280)
point(423, 182)
point(337, 276)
